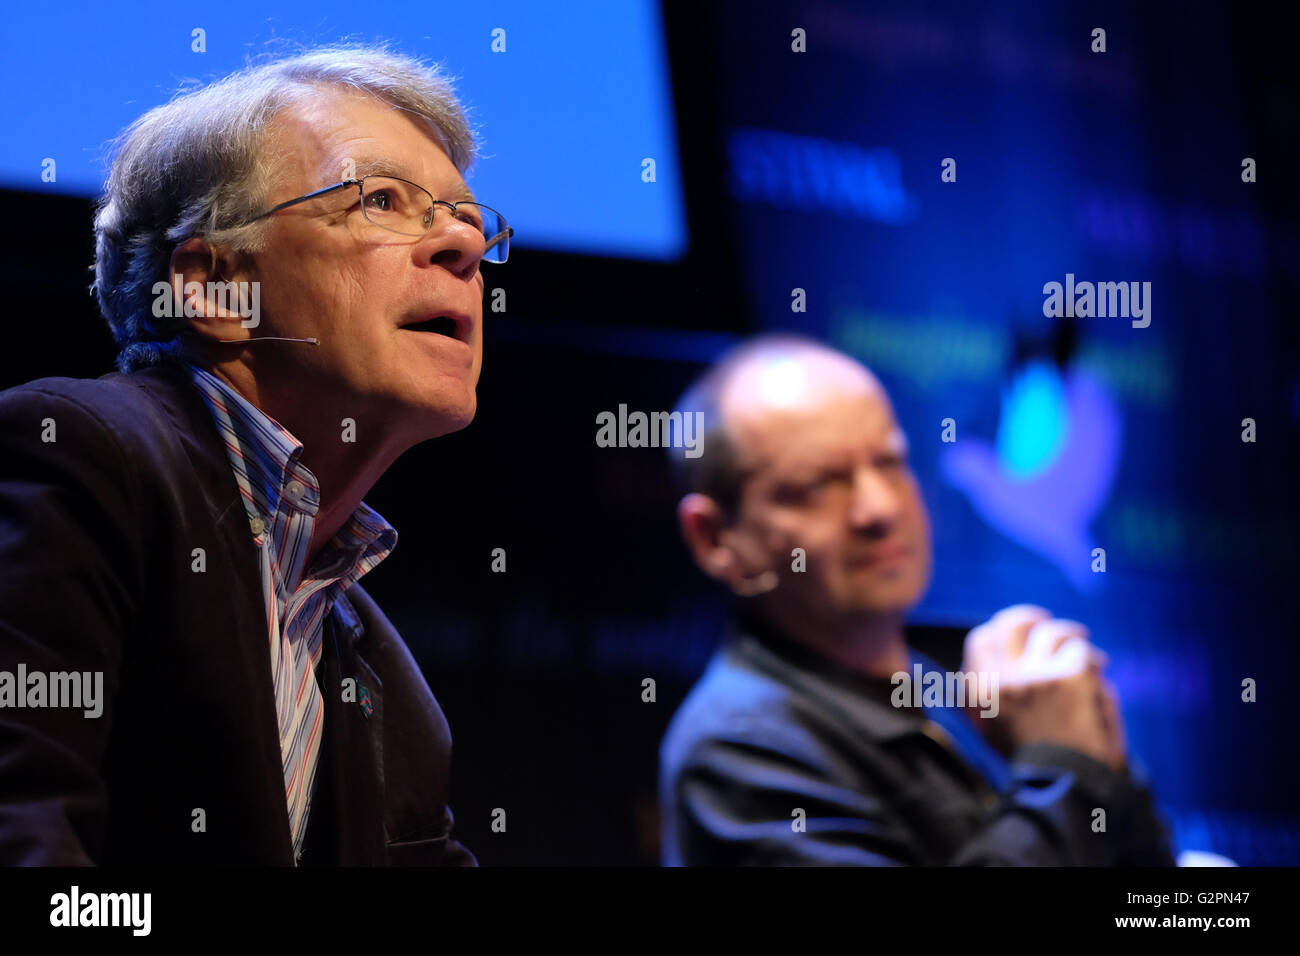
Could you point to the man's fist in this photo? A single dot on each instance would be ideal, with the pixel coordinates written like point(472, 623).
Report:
point(1050, 685)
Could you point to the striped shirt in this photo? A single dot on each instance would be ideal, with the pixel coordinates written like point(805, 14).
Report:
point(282, 497)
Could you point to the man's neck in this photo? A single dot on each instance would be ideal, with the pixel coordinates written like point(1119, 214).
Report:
point(872, 646)
point(343, 485)
point(345, 470)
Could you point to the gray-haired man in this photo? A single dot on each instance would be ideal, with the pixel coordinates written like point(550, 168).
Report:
point(289, 261)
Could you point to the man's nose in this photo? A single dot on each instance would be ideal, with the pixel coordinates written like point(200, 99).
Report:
point(876, 501)
point(455, 245)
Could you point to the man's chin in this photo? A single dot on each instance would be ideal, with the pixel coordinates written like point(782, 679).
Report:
point(882, 602)
point(886, 590)
point(435, 415)
point(447, 420)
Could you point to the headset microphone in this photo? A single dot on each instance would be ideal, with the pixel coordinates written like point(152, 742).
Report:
point(269, 338)
point(759, 584)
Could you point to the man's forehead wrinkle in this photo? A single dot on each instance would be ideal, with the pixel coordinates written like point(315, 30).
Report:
point(294, 140)
point(369, 148)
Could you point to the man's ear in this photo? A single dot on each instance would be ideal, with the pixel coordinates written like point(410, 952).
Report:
point(703, 523)
point(212, 312)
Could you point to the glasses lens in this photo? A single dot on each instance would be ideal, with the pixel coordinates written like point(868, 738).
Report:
point(496, 235)
point(406, 208)
point(396, 204)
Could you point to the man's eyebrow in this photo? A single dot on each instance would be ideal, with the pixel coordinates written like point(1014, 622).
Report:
point(381, 167)
point(463, 192)
point(384, 167)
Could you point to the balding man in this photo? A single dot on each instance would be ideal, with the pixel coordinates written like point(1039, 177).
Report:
point(807, 741)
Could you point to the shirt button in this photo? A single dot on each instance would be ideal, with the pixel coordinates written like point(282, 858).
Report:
point(294, 489)
point(258, 525)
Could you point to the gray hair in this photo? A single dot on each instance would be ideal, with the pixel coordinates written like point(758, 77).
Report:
point(195, 167)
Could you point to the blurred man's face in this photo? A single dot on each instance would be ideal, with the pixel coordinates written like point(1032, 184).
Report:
point(328, 272)
point(827, 472)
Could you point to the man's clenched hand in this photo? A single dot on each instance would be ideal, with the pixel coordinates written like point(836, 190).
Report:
point(1050, 685)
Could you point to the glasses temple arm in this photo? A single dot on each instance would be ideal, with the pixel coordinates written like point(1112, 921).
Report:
point(504, 234)
point(311, 195)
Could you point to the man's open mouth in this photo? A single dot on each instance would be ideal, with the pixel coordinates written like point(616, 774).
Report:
point(440, 325)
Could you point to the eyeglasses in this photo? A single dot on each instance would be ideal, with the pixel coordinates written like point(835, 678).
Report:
point(406, 208)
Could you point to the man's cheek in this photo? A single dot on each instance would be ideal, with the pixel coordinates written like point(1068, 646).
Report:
point(817, 536)
point(812, 565)
point(795, 547)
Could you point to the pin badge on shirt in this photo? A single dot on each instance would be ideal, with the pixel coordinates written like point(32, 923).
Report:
point(367, 705)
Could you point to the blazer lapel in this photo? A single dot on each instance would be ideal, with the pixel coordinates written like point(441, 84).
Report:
point(353, 741)
point(236, 572)
point(349, 789)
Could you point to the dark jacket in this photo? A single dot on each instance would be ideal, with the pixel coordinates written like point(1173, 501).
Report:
point(772, 729)
point(125, 548)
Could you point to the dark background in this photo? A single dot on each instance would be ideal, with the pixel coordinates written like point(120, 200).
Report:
point(1115, 166)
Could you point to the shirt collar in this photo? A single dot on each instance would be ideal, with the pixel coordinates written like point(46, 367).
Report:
point(356, 548)
point(265, 457)
point(263, 453)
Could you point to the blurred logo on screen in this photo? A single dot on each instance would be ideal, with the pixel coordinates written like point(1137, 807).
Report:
point(1051, 468)
point(807, 173)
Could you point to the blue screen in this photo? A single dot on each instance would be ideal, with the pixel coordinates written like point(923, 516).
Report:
point(567, 112)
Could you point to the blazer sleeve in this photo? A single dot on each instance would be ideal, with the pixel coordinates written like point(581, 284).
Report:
point(69, 580)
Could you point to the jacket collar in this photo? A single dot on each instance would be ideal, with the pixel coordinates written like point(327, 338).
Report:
point(858, 704)
point(862, 700)
point(172, 389)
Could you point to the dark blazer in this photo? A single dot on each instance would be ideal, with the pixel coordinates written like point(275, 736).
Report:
point(125, 548)
point(773, 727)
